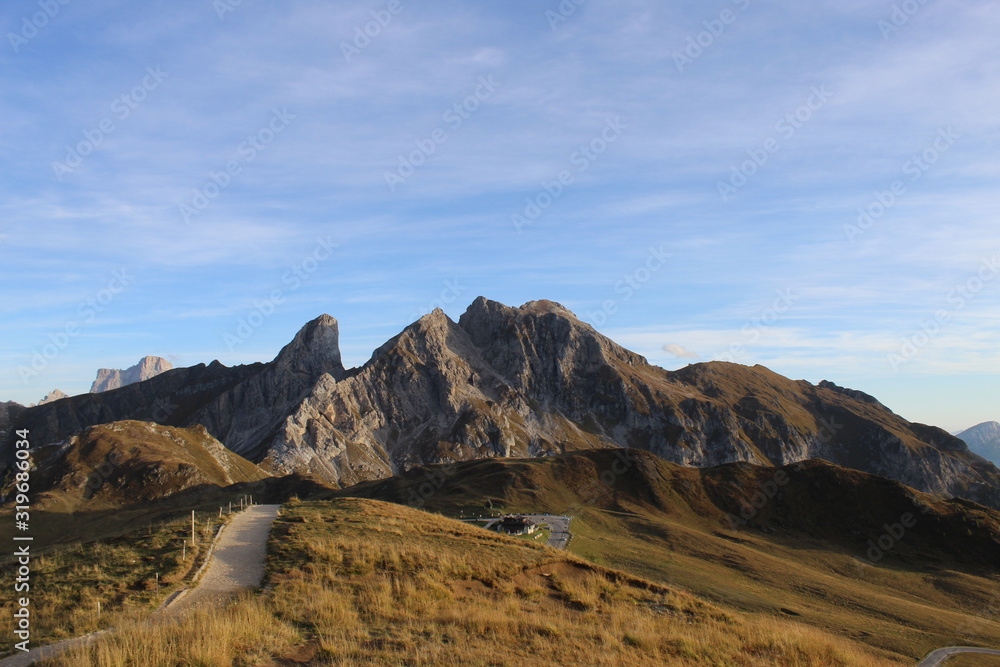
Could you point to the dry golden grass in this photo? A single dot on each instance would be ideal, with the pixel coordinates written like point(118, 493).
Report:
point(356, 582)
point(132, 572)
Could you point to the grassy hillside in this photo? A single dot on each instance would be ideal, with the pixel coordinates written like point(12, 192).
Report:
point(81, 588)
point(115, 478)
point(797, 549)
point(361, 582)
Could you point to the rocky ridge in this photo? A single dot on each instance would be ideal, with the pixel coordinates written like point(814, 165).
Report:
point(529, 381)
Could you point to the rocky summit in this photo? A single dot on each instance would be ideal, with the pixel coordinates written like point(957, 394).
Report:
point(527, 382)
point(148, 367)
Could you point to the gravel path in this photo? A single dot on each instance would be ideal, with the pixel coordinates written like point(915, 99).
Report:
point(236, 563)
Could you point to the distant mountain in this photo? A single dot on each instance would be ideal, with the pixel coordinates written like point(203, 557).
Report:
point(525, 382)
point(52, 397)
point(984, 439)
point(148, 367)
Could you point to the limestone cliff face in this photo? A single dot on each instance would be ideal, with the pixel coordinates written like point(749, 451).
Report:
point(241, 406)
point(246, 416)
point(534, 381)
point(529, 381)
point(148, 367)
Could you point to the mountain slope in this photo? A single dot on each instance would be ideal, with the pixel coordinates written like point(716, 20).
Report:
point(864, 557)
point(241, 406)
point(110, 378)
point(534, 381)
point(528, 381)
point(984, 439)
point(130, 462)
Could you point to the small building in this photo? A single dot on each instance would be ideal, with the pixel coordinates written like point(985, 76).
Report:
point(516, 525)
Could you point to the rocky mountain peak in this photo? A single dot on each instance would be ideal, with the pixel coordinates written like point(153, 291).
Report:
point(545, 307)
point(314, 350)
point(53, 396)
point(111, 378)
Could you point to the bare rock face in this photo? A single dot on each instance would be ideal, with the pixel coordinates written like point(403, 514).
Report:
point(148, 367)
point(241, 406)
point(52, 397)
point(535, 381)
point(984, 439)
point(527, 382)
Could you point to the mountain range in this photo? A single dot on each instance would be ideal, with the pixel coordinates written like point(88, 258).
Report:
point(532, 381)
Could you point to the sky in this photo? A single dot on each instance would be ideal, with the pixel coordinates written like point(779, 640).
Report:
point(806, 186)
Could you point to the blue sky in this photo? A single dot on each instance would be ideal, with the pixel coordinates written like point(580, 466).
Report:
point(687, 176)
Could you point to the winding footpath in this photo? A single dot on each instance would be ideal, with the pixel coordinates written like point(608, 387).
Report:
point(236, 563)
point(939, 656)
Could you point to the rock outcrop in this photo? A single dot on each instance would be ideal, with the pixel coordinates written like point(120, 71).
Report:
point(529, 381)
point(148, 367)
point(984, 439)
point(242, 406)
point(52, 397)
point(535, 381)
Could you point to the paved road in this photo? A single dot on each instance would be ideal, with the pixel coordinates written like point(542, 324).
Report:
point(236, 563)
point(558, 525)
point(939, 656)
